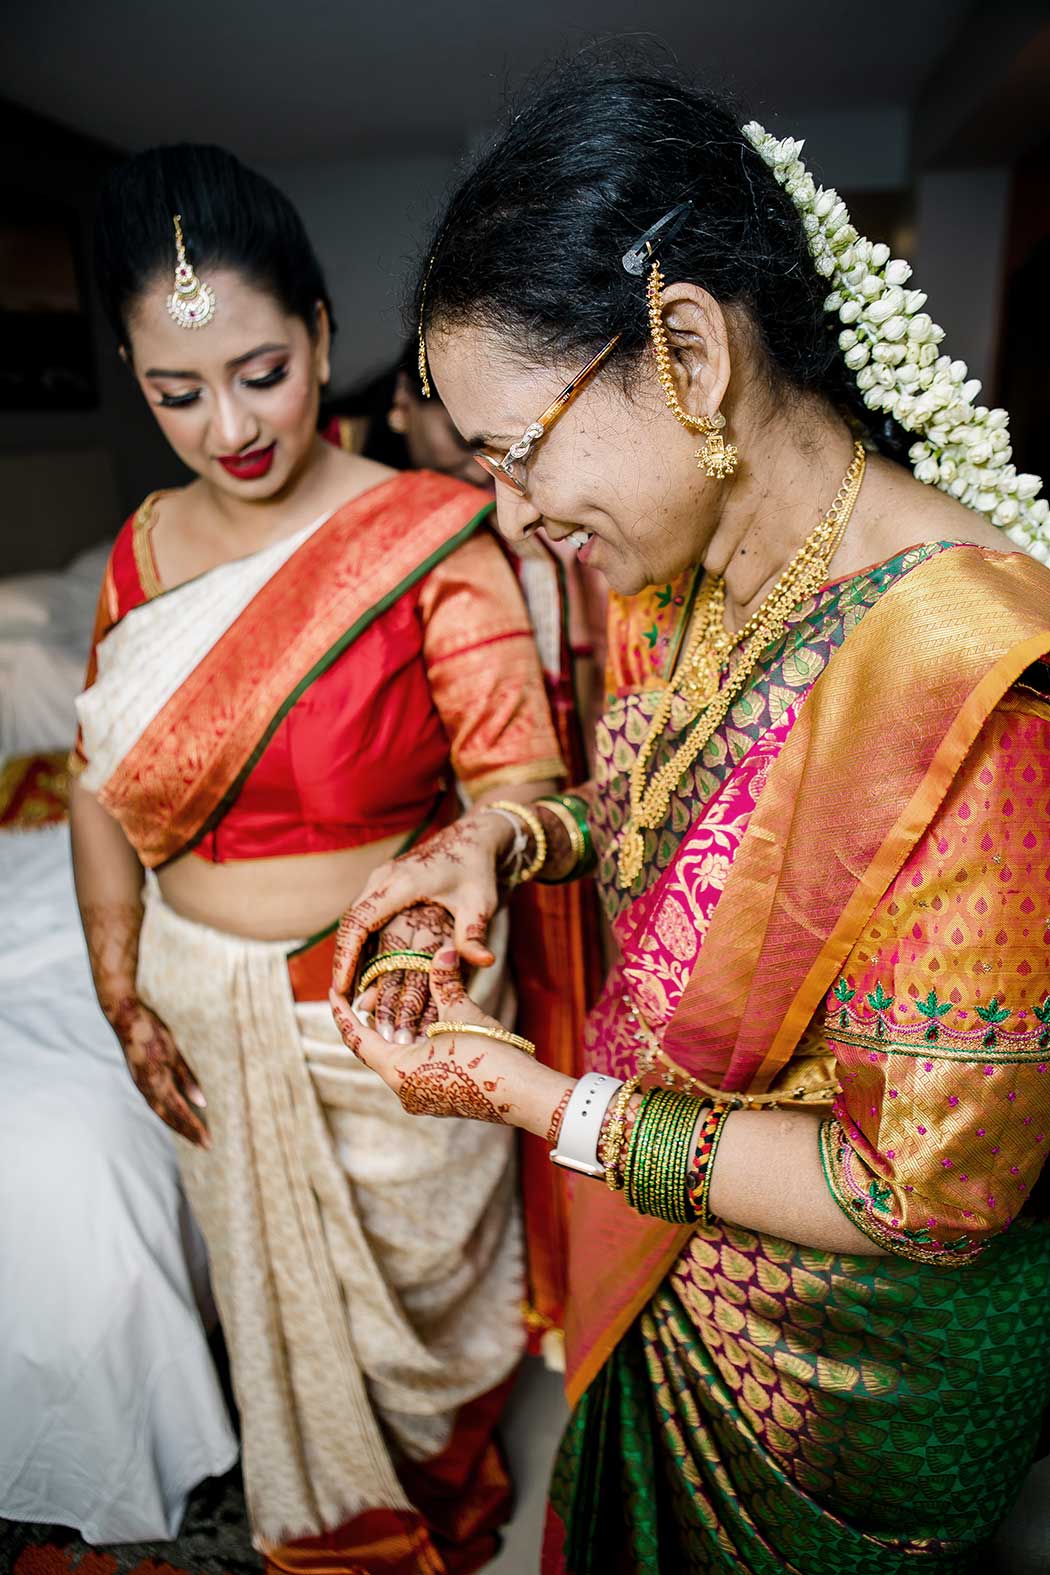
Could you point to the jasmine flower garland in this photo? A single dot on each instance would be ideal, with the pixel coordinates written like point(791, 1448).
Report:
point(892, 345)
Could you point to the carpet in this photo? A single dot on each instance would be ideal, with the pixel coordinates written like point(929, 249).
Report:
point(214, 1540)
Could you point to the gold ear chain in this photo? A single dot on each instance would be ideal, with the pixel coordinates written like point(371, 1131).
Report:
point(718, 459)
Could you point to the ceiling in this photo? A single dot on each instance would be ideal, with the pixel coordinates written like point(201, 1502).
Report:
point(320, 78)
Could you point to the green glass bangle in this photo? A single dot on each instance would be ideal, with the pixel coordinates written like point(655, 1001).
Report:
point(630, 1169)
point(651, 1144)
point(577, 808)
point(642, 1140)
point(672, 1200)
point(662, 1118)
point(657, 1162)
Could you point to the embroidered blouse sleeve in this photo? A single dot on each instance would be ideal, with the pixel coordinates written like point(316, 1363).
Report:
point(107, 614)
point(484, 672)
point(940, 1020)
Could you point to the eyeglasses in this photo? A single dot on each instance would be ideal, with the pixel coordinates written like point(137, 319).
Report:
point(510, 470)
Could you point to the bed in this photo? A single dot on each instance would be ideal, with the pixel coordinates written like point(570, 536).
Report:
point(112, 1407)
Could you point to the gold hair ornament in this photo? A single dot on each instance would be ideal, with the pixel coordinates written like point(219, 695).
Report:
point(718, 459)
point(192, 302)
point(424, 379)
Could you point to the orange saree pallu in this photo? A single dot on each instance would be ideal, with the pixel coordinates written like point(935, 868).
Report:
point(854, 920)
point(372, 1333)
point(556, 957)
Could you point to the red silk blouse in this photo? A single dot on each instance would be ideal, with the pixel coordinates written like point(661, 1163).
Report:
point(444, 684)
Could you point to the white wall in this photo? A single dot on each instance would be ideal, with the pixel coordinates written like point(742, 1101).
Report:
point(116, 444)
point(962, 217)
point(863, 149)
point(369, 219)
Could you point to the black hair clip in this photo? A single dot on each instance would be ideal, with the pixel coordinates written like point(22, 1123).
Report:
point(635, 260)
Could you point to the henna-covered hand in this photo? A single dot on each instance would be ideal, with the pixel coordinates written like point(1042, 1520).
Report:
point(457, 1074)
point(111, 930)
point(404, 1005)
point(159, 1072)
point(455, 870)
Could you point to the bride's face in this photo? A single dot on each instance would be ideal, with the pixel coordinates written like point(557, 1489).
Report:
point(238, 399)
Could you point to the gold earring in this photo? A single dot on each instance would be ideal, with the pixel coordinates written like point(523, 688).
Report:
point(718, 459)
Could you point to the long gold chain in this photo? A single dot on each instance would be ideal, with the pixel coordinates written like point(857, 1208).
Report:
point(700, 670)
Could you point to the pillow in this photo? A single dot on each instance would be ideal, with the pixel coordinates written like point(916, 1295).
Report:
point(27, 602)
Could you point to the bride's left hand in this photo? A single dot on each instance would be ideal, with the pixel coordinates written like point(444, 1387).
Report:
point(457, 1074)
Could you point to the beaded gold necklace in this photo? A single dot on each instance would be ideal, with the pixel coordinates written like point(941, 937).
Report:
point(699, 674)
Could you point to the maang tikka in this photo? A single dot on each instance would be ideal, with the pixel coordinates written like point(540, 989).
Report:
point(192, 302)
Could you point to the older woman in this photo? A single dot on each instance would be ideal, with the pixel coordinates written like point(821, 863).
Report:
point(298, 657)
point(810, 1313)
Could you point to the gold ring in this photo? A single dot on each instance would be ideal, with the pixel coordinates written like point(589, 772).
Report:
point(502, 1034)
point(395, 962)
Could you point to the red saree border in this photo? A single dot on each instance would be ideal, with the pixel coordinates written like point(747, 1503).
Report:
point(34, 791)
point(953, 635)
point(462, 1498)
point(179, 779)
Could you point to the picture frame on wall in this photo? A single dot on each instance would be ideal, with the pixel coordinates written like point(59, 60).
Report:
point(46, 354)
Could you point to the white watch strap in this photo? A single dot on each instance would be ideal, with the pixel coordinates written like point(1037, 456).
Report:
point(582, 1124)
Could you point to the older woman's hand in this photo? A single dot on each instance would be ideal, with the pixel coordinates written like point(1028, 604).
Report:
point(456, 869)
point(457, 1074)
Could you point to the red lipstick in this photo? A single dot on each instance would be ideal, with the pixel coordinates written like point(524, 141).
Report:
point(249, 467)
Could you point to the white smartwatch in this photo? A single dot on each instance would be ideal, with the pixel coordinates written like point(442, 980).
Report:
point(582, 1124)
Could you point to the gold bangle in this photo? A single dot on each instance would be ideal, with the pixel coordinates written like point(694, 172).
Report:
point(395, 962)
point(612, 1146)
point(566, 818)
point(529, 817)
point(502, 1034)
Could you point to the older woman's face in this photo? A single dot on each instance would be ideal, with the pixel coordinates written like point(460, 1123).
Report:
point(617, 467)
point(238, 399)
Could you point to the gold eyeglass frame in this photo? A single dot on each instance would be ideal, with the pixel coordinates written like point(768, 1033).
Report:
point(518, 453)
point(633, 262)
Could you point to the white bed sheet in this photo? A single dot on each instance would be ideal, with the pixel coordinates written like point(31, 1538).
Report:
point(110, 1408)
point(45, 633)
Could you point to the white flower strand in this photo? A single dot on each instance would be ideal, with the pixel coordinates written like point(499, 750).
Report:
point(890, 343)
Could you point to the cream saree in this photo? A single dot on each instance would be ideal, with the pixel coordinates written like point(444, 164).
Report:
point(360, 1317)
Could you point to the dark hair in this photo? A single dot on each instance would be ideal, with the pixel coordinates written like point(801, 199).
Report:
point(371, 402)
point(532, 238)
point(231, 217)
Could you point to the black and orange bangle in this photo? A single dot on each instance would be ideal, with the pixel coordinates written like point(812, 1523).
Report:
point(702, 1163)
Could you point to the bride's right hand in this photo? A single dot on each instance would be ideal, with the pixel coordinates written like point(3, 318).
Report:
point(159, 1071)
point(455, 868)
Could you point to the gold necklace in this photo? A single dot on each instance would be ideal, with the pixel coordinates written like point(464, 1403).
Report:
point(700, 671)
